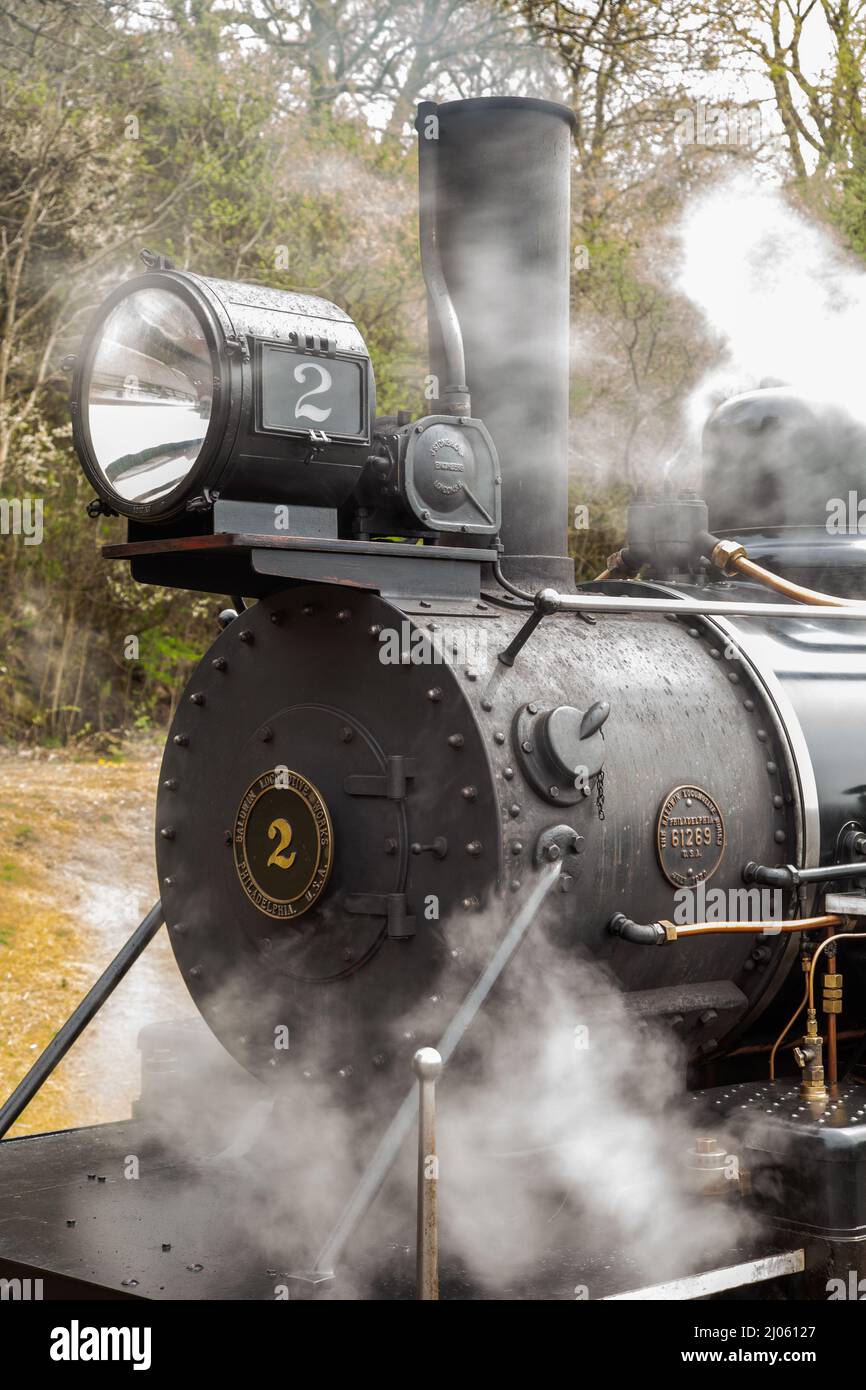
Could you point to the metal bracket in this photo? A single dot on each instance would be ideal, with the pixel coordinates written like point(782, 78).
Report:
point(238, 347)
point(393, 906)
point(392, 784)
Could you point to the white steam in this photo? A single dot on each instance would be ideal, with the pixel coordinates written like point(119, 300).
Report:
point(779, 294)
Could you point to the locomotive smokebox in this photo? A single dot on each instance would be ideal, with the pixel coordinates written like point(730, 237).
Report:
point(500, 208)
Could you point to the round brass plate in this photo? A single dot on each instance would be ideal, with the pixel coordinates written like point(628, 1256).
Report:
point(690, 836)
point(282, 843)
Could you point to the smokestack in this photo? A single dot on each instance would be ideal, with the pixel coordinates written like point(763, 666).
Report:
point(500, 209)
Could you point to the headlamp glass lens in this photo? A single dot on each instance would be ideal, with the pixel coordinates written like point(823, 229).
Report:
point(150, 395)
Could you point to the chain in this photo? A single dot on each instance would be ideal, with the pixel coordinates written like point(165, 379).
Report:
point(599, 795)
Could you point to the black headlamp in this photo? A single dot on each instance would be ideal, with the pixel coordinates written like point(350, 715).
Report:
point(188, 387)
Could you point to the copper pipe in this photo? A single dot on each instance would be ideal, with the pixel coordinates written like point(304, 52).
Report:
point(832, 1056)
point(755, 1049)
point(785, 586)
point(787, 1028)
point(771, 928)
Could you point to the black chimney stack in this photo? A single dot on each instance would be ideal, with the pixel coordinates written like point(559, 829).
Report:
point(499, 206)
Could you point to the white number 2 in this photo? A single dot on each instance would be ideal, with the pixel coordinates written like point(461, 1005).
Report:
point(312, 412)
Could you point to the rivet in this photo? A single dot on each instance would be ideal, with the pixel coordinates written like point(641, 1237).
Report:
point(434, 694)
point(247, 636)
point(277, 617)
point(171, 784)
point(390, 846)
point(515, 885)
point(771, 768)
point(470, 793)
point(343, 615)
point(179, 927)
point(182, 740)
point(456, 740)
point(514, 811)
point(715, 653)
point(693, 632)
point(374, 630)
point(498, 737)
point(733, 678)
point(219, 663)
point(526, 746)
point(532, 709)
point(379, 1059)
point(474, 848)
point(779, 837)
point(553, 791)
point(308, 610)
point(346, 734)
point(761, 735)
point(168, 881)
point(517, 847)
point(508, 773)
point(749, 705)
point(486, 704)
point(470, 904)
point(167, 832)
point(197, 698)
point(266, 733)
point(195, 972)
point(778, 802)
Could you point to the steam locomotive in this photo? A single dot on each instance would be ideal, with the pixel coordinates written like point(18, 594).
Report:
point(420, 716)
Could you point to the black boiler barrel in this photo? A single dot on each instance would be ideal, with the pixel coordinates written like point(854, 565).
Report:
point(503, 225)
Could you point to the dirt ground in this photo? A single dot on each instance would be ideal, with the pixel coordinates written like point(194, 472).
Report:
point(76, 876)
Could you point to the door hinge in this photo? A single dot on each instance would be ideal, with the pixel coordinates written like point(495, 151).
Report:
point(392, 906)
point(391, 784)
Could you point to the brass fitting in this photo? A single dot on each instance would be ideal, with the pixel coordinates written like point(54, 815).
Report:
point(809, 1056)
point(831, 1003)
point(725, 556)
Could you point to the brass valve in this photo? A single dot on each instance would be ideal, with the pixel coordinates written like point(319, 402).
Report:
point(809, 1056)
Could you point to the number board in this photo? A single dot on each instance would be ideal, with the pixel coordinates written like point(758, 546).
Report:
point(300, 393)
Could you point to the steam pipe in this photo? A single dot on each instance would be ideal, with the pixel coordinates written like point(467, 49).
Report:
point(789, 876)
point(732, 558)
point(454, 398)
point(658, 933)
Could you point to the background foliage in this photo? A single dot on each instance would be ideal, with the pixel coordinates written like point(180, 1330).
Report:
point(271, 140)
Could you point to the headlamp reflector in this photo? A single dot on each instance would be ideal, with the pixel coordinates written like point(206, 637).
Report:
point(149, 395)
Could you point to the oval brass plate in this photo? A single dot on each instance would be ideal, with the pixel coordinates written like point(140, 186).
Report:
point(690, 836)
point(282, 843)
